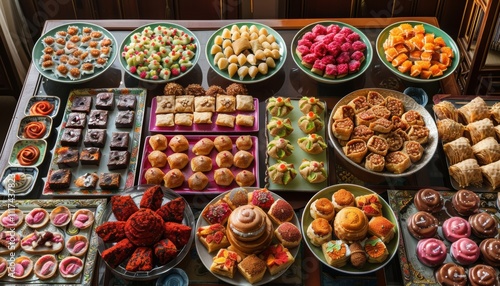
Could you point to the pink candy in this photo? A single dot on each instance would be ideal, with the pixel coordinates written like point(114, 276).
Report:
point(431, 251)
point(465, 251)
point(25, 263)
point(60, 218)
point(10, 220)
point(3, 265)
point(47, 268)
point(35, 216)
point(18, 269)
point(79, 245)
point(71, 267)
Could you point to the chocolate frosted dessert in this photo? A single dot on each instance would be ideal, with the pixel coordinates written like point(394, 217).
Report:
point(465, 202)
point(76, 120)
point(95, 138)
point(104, 100)
point(126, 102)
point(109, 181)
point(118, 160)
point(422, 225)
point(490, 251)
point(98, 119)
point(483, 225)
point(119, 141)
point(482, 275)
point(451, 274)
point(90, 156)
point(71, 137)
point(67, 157)
point(59, 179)
point(81, 104)
point(428, 200)
point(124, 119)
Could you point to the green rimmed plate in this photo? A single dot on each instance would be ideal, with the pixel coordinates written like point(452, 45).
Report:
point(364, 65)
point(38, 51)
point(127, 41)
point(247, 79)
point(356, 190)
point(428, 29)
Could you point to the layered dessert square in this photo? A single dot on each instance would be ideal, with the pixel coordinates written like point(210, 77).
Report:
point(125, 119)
point(126, 102)
point(81, 104)
point(59, 179)
point(109, 181)
point(90, 156)
point(76, 120)
point(67, 157)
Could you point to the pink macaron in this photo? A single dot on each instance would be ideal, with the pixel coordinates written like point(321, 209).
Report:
point(431, 251)
point(464, 251)
point(455, 228)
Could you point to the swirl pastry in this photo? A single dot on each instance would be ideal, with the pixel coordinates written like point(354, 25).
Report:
point(428, 200)
point(249, 229)
point(310, 123)
point(483, 225)
point(17, 182)
point(465, 202)
point(464, 251)
point(279, 106)
point(445, 110)
point(144, 227)
point(451, 274)
point(34, 130)
point(431, 251)
point(483, 275)
point(422, 225)
point(42, 107)
point(455, 228)
point(490, 251)
point(350, 224)
point(28, 155)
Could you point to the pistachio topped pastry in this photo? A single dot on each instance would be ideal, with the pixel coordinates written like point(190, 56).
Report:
point(310, 123)
point(313, 171)
point(279, 148)
point(312, 143)
point(280, 127)
point(307, 104)
point(282, 172)
point(279, 106)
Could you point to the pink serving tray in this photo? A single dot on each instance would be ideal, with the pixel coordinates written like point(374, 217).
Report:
point(212, 187)
point(213, 128)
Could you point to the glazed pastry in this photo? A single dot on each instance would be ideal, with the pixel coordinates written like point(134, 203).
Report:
point(319, 231)
point(479, 130)
point(249, 229)
point(154, 176)
point(312, 171)
point(217, 213)
point(413, 117)
point(83, 218)
point(375, 98)
point(224, 263)
point(203, 147)
point(375, 162)
point(197, 181)
point(355, 149)
point(395, 106)
point(483, 225)
point(336, 252)
point(464, 251)
point(381, 111)
point(274, 265)
point(279, 148)
point(397, 162)
point(359, 104)
point(311, 123)
point(43, 242)
point(312, 143)
point(244, 142)
point(483, 275)
point(279, 106)
point(288, 234)
point(236, 197)
point(279, 127)
point(378, 145)
point(343, 128)
point(474, 110)
point(382, 228)
point(225, 103)
point(414, 150)
point(77, 245)
point(223, 177)
point(213, 237)
point(12, 218)
point(376, 250)
point(223, 143)
point(456, 228)
point(261, 198)
point(252, 268)
point(465, 202)
point(281, 173)
point(428, 200)
point(492, 173)
point(173, 178)
point(342, 198)
point(490, 251)
point(365, 118)
point(466, 173)
point(37, 218)
point(419, 133)
point(224, 159)
point(178, 143)
point(60, 216)
point(486, 151)
point(431, 251)
point(451, 274)
point(201, 163)
point(70, 267)
point(45, 267)
point(281, 211)
point(245, 178)
point(449, 130)
point(422, 225)
point(445, 110)
point(22, 268)
point(458, 150)
point(242, 159)
point(157, 159)
point(307, 104)
point(369, 204)
point(350, 224)
point(177, 160)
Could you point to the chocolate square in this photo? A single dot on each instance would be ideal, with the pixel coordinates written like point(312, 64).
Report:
point(126, 102)
point(109, 181)
point(59, 179)
point(76, 120)
point(67, 157)
point(71, 137)
point(95, 138)
point(104, 100)
point(118, 160)
point(119, 141)
point(125, 119)
point(98, 119)
point(90, 156)
point(81, 104)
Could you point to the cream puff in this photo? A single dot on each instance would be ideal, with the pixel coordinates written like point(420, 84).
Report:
point(322, 208)
point(342, 198)
point(319, 231)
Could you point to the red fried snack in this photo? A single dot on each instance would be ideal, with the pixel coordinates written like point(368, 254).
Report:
point(141, 260)
point(178, 233)
point(173, 210)
point(165, 250)
point(144, 227)
point(152, 198)
point(118, 252)
point(123, 207)
point(111, 231)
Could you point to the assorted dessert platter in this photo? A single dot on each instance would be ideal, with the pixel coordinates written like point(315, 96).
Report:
point(331, 52)
point(382, 132)
point(74, 53)
point(246, 52)
point(193, 109)
point(449, 238)
point(147, 231)
point(98, 142)
point(296, 150)
point(52, 241)
point(350, 228)
point(470, 136)
point(248, 236)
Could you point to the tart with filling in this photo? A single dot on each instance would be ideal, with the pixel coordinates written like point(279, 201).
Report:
point(45, 267)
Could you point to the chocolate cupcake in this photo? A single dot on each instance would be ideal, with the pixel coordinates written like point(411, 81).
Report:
point(483, 275)
point(465, 202)
point(422, 225)
point(490, 251)
point(483, 225)
point(451, 274)
point(428, 200)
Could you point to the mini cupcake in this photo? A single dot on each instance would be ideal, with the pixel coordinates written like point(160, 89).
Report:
point(342, 198)
point(428, 200)
point(431, 251)
point(464, 251)
point(422, 225)
point(451, 274)
point(319, 231)
point(483, 225)
point(483, 275)
point(322, 208)
point(455, 228)
point(465, 202)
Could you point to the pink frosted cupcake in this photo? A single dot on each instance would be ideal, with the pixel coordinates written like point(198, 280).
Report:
point(464, 251)
point(455, 228)
point(431, 251)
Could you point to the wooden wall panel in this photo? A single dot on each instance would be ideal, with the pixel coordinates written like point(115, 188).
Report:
point(327, 9)
point(110, 9)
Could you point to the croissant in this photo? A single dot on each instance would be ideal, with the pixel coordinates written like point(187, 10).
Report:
point(449, 130)
point(445, 110)
point(466, 173)
point(480, 130)
point(492, 173)
point(458, 150)
point(475, 110)
point(487, 151)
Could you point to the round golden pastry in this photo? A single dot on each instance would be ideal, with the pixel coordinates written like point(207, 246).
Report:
point(178, 143)
point(236, 197)
point(223, 177)
point(173, 178)
point(154, 176)
point(342, 198)
point(157, 159)
point(224, 159)
point(245, 178)
point(242, 159)
point(197, 181)
point(323, 208)
point(319, 231)
point(158, 142)
point(177, 160)
point(350, 224)
point(244, 142)
point(203, 147)
point(223, 143)
point(249, 229)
